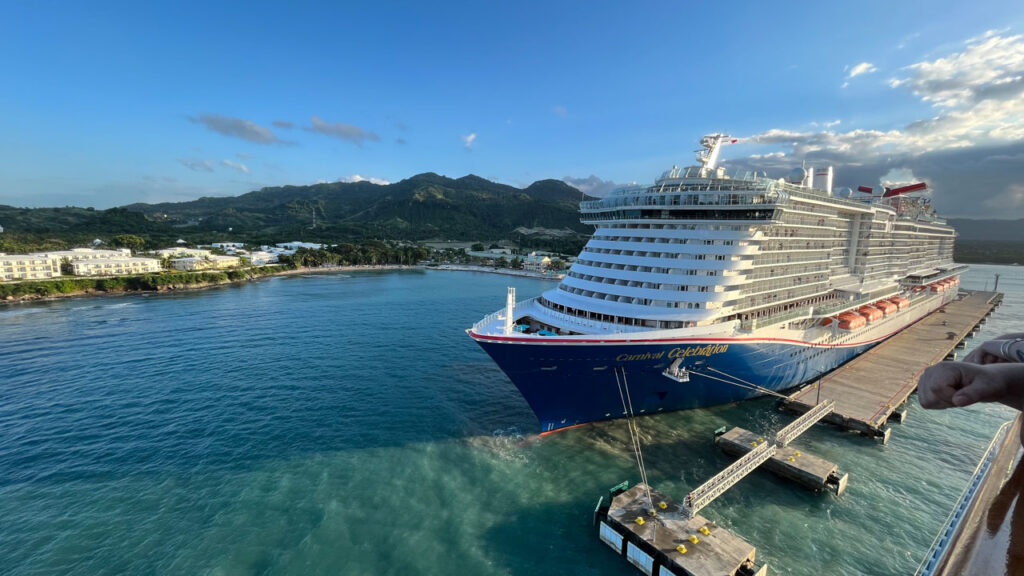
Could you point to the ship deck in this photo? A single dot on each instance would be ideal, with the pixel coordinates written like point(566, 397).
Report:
point(870, 388)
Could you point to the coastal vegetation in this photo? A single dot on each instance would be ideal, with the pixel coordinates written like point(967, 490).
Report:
point(989, 251)
point(138, 283)
point(370, 253)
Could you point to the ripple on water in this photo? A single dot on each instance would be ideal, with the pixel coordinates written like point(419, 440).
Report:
point(346, 425)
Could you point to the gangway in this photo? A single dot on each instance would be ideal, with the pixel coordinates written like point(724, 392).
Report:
point(719, 483)
point(800, 425)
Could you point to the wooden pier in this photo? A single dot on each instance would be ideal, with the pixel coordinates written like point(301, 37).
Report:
point(663, 541)
point(869, 389)
point(809, 471)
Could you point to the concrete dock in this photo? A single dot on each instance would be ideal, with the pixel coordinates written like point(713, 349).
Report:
point(788, 462)
point(669, 543)
point(870, 388)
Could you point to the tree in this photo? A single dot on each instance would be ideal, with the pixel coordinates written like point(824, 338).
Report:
point(131, 241)
point(517, 263)
point(477, 247)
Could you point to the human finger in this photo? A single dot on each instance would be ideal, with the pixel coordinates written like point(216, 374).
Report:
point(980, 384)
point(938, 384)
point(986, 353)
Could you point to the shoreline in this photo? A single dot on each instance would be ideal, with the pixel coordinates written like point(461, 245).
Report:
point(491, 270)
point(93, 293)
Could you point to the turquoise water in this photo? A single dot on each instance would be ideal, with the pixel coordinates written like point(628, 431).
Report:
point(345, 424)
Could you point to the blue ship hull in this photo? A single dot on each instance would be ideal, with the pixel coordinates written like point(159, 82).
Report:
point(568, 384)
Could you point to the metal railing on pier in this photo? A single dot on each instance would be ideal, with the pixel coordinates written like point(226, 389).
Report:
point(719, 483)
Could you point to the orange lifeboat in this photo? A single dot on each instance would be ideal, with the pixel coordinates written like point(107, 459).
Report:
point(869, 313)
point(900, 302)
point(886, 306)
point(934, 287)
point(919, 289)
point(851, 321)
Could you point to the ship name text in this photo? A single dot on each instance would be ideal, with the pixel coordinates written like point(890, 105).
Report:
point(709, 350)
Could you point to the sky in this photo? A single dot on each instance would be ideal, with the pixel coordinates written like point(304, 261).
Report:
point(109, 103)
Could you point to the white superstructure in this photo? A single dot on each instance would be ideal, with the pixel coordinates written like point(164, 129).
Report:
point(704, 250)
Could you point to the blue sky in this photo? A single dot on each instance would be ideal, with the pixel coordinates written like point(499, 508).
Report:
point(105, 104)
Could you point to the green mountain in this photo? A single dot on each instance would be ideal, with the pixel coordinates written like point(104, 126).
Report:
point(423, 207)
point(426, 206)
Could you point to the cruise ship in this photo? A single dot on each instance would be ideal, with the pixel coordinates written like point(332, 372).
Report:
point(707, 288)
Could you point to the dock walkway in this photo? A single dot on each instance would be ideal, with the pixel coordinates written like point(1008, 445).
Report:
point(868, 389)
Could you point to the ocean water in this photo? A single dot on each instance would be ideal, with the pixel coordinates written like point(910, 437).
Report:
point(345, 424)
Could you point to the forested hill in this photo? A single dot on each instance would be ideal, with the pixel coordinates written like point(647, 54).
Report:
point(427, 206)
point(418, 208)
point(1001, 230)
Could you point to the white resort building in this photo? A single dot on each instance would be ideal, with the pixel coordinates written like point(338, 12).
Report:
point(28, 267)
point(260, 257)
point(181, 252)
point(114, 266)
point(535, 263)
point(212, 262)
point(86, 254)
point(82, 262)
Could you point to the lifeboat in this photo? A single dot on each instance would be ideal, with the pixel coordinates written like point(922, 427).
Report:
point(886, 306)
point(850, 321)
point(900, 302)
point(919, 289)
point(938, 287)
point(870, 314)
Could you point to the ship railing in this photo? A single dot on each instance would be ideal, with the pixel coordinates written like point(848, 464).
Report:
point(487, 321)
point(496, 319)
point(695, 196)
point(767, 218)
point(752, 323)
point(819, 196)
point(598, 325)
point(837, 307)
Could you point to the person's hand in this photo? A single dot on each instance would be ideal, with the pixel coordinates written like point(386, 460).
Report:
point(989, 352)
point(950, 384)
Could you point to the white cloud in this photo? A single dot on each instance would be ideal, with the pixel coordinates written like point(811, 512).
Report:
point(591, 185)
point(236, 165)
point(360, 178)
point(979, 94)
point(342, 131)
point(860, 69)
point(898, 177)
point(768, 156)
point(969, 149)
point(1009, 201)
point(236, 128)
point(990, 68)
point(469, 139)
